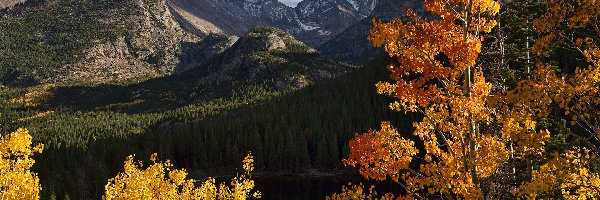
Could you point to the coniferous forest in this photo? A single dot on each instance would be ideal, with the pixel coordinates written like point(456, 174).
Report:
point(467, 99)
point(222, 134)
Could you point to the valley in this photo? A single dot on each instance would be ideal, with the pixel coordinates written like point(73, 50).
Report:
point(405, 95)
point(160, 82)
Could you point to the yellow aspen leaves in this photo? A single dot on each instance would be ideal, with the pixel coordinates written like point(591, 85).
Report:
point(34, 96)
point(39, 115)
point(240, 187)
point(160, 181)
point(561, 19)
point(468, 133)
point(357, 192)
point(17, 181)
point(455, 155)
point(568, 173)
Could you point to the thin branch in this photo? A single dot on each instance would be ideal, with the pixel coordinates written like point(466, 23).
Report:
point(453, 10)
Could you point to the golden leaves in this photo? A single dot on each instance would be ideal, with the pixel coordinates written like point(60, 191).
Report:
point(159, 181)
point(569, 174)
point(357, 192)
point(240, 187)
point(248, 165)
point(34, 96)
point(556, 26)
point(492, 152)
point(437, 77)
point(433, 56)
point(39, 115)
point(17, 181)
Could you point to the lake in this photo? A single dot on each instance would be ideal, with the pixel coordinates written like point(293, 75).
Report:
point(299, 187)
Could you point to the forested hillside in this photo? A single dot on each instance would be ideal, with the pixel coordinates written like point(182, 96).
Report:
point(85, 146)
point(473, 99)
point(92, 42)
point(265, 63)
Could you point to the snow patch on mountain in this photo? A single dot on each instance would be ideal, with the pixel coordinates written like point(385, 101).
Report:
point(237, 16)
point(290, 3)
point(354, 4)
point(308, 27)
point(322, 32)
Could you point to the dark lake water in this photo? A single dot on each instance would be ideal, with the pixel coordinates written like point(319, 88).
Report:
point(298, 187)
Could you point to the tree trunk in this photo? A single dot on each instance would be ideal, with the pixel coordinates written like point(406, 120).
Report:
point(470, 157)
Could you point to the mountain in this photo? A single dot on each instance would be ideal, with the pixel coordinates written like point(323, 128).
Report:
point(262, 62)
point(230, 73)
point(104, 79)
point(9, 3)
point(352, 45)
point(311, 21)
point(123, 41)
point(94, 128)
point(97, 42)
point(200, 53)
point(269, 54)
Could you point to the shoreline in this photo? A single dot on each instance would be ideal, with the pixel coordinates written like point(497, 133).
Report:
point(311, 173)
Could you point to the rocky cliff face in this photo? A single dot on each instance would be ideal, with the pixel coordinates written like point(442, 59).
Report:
point(152, 48)
point(260, 62)
point(120, 41)
point(89, 41)
point(312, 21)
point(200, 53)
point(9, 3)
point(272, 58)
point(352, 45)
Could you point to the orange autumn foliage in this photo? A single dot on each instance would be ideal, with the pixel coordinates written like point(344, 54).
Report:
point(437, 76)
point(568, 174)
point(571, 25)
point(456, 155)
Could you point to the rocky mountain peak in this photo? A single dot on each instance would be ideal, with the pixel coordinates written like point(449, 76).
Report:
point(271, 55)
point(351, 45)
point(312, 21)
point(362, 8)
point(96, 42)
point(263, 39)
point(9, 3)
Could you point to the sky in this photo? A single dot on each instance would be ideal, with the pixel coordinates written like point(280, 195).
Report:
point(291, 3)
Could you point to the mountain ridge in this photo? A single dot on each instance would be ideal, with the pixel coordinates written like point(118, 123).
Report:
point(351, 45)
point(312, 21)
point(96, 42)
point(106, 42)
point(265, 60)
point(9, 3)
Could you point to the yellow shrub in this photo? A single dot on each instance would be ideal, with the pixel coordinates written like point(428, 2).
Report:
point(159, 181)
point(17, 181)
